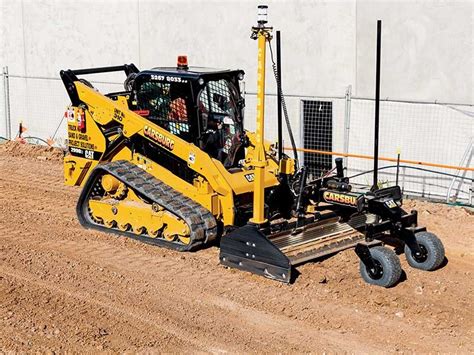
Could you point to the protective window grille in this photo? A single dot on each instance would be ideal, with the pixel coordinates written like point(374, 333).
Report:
point(166, 104)
point(317, 135)
point(218, 109)
point(217, 98)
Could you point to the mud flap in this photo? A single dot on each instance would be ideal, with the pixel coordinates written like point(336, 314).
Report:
point(246, 248)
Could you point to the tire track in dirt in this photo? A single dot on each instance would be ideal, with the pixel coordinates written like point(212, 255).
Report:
point(218, 309)
point(132, 262)
point(182, 299)
point(261, 322)
point(120, 312)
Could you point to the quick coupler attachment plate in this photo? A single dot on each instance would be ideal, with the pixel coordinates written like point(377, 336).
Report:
point(248, 249)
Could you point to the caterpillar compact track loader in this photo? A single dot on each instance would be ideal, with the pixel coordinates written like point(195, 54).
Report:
point(168, 162)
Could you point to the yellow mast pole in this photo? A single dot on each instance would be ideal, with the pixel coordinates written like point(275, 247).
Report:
point(262, 34)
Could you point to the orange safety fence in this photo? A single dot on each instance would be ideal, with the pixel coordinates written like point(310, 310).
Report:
point(361, 156)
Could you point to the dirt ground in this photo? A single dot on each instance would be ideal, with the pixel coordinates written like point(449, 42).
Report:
point(64, 288)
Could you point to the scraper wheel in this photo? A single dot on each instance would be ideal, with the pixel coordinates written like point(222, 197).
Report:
point(386, 270)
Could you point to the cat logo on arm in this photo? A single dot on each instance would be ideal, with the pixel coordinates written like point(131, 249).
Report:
point(250, 177)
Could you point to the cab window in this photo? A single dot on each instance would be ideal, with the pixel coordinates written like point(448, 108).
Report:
point(220, 119)
point(166, 104)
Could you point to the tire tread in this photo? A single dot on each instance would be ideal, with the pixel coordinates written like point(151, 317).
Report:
point(436, 248)
point(391, 266)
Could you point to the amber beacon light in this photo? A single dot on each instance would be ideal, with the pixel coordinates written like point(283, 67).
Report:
point(182, 62)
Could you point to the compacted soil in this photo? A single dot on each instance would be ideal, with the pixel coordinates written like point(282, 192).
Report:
point(64, 288)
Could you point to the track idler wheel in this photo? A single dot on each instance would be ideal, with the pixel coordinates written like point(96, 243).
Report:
point(431, 254)
point(95, 218)
point(381, 267)
point(114, 187)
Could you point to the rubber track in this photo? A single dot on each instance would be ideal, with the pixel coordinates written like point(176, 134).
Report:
point(201, 222)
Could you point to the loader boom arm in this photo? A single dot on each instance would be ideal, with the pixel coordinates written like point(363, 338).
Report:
point(105, 112)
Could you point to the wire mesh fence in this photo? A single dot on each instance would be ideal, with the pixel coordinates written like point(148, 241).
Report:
point(271, 123)
point(430, 134)
point(317, 130)
point(323, 127)
point(3, 122)
point(39, 104)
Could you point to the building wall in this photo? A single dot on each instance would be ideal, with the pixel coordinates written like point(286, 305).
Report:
point(427, 45)
point(427, 49)
point(427, 54)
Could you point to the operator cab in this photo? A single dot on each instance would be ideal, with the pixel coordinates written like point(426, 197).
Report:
point(200, 105)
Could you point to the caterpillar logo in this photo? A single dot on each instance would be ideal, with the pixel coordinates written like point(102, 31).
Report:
point(158, 137)
point(391, 204)
point(340, 198)
point(250, 177)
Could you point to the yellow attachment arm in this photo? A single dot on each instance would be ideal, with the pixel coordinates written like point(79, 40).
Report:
point(259, 159)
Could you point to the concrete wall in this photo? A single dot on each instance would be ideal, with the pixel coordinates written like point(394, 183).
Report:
point(427, 49)
point(43, 37)
point(427, 45)
point(427, 54)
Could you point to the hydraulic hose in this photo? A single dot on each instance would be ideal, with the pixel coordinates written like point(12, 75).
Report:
point(283, 104)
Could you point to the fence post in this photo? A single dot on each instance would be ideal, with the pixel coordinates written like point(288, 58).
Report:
point(403, 180)
point(347, 123)
point(471, 191)
point(466, 160)
point(301, 154)
point(423, 186)
point(6, 92)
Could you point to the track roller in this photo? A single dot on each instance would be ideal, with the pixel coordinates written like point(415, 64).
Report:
point(124, 227)
point(110, 224)
point(168, 236)
point(154, 233)
point(139, 230)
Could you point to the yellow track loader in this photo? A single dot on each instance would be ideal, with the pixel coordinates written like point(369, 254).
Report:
point(168, 162)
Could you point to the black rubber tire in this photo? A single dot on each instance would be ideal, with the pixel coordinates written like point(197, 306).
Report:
point(390, 269)
point(434, 249)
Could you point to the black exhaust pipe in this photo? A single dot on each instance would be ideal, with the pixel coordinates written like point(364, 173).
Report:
point(377, 105)
point(279, 108)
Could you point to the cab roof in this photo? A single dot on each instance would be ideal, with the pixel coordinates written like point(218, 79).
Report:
point(192, 72)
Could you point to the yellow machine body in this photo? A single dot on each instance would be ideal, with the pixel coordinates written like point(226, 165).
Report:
point(214, 187)
point(168, 162)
